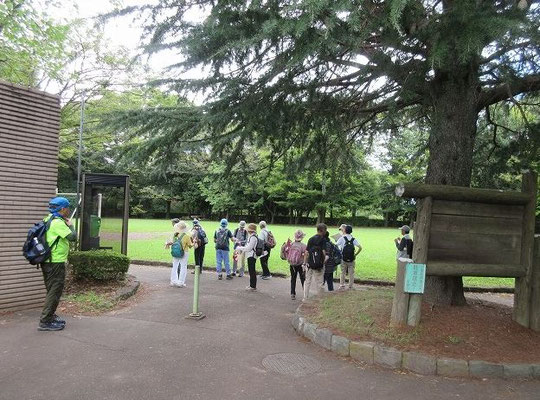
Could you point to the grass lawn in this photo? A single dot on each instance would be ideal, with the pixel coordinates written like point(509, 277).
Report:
point(376, 261)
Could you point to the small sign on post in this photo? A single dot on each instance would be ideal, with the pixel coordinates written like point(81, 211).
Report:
point(415, 278)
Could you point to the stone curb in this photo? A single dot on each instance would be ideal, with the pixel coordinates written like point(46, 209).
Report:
point(128, 291)
point(358, 281)
point(419, 363)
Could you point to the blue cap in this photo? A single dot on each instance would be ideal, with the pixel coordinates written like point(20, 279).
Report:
point(224, 222)
point(58, 203)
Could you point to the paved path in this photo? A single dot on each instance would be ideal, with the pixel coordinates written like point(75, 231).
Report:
point(150, 351)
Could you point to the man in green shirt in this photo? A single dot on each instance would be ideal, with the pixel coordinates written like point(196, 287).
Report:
point(59, 234)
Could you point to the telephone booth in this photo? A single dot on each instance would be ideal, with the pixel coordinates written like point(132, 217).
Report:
point(104, 212)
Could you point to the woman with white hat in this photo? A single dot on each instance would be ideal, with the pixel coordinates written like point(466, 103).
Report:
point(180, 254)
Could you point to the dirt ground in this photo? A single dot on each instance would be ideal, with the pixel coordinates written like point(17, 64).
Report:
point(479, 331)
point(106, 291)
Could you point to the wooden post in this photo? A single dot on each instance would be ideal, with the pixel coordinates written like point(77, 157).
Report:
point(535, 287)
point(400, 305)
point(125, 220)
point(522, 293)
point(420, 253)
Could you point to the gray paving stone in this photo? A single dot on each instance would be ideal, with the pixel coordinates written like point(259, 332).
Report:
point(296, 322)
point(362, 351)
point(323, 337)
point(518, 370)
point(341, 345)
point(387, 356)
point(420, 363)
point(452, 367)
point(301, 322)
point(309, 330)
point(483, 369)
point(535, 370)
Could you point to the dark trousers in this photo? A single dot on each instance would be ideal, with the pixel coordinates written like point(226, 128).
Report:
point(54, 275)
point(199, 256)
point(329, 278)
point(295, 271)
point(264, 264)
point(252, 273)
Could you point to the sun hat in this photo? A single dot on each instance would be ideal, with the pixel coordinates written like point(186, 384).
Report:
point(251, 228)
point(242, 223)
point(180, 227)
point(405, 228)
point(224, 222)
point(175, 220)
point(299, 235)
point(262, 224)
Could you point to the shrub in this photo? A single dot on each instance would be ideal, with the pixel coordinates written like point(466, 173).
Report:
point(100, 265)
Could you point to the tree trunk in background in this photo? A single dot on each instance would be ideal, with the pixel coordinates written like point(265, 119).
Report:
point(451, 144)
point(168, 212)
point(291, 216)
point(321, 214)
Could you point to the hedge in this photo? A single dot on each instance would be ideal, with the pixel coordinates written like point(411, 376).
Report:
point(101, 265)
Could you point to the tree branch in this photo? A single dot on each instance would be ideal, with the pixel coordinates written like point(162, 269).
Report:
point(506, 90)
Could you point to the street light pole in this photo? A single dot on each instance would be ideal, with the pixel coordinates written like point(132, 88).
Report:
point(79, 162)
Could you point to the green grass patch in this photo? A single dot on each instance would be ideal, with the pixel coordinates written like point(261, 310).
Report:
point(376, 261)
point(90, 301)
point(356, 314)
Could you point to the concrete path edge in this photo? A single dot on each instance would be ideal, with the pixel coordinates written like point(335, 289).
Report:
point(127, 291)
point(420, 363)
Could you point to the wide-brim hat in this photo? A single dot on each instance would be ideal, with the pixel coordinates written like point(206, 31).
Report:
point(299, 235)
point(251, 228)
point(180, 227)
point(242, 223)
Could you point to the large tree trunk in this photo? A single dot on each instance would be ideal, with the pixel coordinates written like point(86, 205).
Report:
point(321, 215)
point(168, 209)
point(451, 144)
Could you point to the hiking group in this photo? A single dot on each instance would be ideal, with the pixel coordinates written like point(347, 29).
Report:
point(314, 262)
point(247, 245)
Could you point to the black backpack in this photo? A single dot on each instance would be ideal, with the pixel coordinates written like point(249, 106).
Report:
point(409, 246)
point(315, 257)
point(36, 249)
point(259, 247)
point(348, 250)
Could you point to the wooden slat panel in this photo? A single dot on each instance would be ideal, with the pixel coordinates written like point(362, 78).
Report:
point(42, 125)
point(19, 292)
point(29, 299)
point(21, 307)
point(469, 224)
point(30, 159)
point(13, 90)
point(474, 248)
point(29, 143)
point(50, 110)
point(476, 209)
point(29, 128)
point(494, 270)
point(27, 282)
point(28, 117)
point(32, 109)
point(8, 130)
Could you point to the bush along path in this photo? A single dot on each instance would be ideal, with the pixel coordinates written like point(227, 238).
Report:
point(322, 331)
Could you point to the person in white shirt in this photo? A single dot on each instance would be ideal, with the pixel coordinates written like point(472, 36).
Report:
point(250, 254)
point(264, 259)
point(350, 248)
